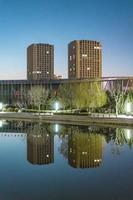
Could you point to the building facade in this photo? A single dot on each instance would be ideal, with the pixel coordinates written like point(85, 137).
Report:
point(17, 91)
point(40, 62)
point(84, 59)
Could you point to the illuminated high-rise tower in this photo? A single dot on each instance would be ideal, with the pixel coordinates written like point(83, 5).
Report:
point(84, 59)
point(40, 62)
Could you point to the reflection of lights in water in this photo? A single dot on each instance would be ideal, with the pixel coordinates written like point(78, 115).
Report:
point(84, 153)
point(36, 136)
point(97, 160)
point(56, 128)
point(1, 123)
point(128, 133)
point(128, 107)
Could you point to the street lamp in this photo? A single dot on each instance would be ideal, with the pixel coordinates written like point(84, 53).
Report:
point(56, 106)
point(1, 105)
point(128, 107)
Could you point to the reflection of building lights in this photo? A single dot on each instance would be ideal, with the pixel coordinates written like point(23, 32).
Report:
point(84, 153)
point(56, 128)
point(128, 107)
point(97, 160)
point(70, 150)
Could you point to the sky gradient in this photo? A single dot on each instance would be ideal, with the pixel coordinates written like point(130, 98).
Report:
point(58, 22)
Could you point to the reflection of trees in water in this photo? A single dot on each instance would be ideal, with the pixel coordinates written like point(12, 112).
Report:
point(38, 128)
point(66, 130)
point(123, 136)
point(117, 137)
point(78, 135)
point(63, 135)
point(14, 126)
point(109, 134)
point(63, 149)
point(85, 149)
point(82, 146)
point(24, 127)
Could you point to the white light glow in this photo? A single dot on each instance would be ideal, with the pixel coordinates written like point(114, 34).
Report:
point(1, 123)
point(56, 106)
point(56, 128)
point(97, 47)
point(128, 133)
point(128, 107)
point(1, 105)
point(36, 72)
point(84, 55)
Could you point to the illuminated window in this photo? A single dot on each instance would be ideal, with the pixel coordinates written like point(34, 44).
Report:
point(84, 55)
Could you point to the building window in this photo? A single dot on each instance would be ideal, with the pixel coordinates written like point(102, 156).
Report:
point(36, 72)
point(97, 47)
point(84, 55)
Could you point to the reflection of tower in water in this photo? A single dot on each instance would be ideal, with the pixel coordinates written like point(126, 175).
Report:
point(85, 150)
point(40, 148)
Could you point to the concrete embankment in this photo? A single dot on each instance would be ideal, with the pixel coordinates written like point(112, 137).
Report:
point(69, 119)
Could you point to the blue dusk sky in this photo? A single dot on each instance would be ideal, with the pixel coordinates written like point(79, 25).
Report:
point(58, 22)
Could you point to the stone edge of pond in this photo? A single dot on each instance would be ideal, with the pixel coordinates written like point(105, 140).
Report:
point(69, 119)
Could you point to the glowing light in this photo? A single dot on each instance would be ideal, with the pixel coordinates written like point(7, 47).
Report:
point(1, 123)
point(56, 106)
point(1, 105)
point(128, 133)
point(128, 107)
point(56, 128)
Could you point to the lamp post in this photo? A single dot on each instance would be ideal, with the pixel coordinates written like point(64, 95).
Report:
point(56, 106)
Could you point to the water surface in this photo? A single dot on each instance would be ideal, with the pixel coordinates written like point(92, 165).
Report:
point(54, 162)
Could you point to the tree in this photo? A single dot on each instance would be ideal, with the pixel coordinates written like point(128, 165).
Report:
point(110, 101)
point(81, 96)
point(66, 94)
point(118, 96)
point(38, 96)
point(98, 97)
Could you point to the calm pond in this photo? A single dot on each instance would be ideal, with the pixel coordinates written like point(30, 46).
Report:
point(65, 162)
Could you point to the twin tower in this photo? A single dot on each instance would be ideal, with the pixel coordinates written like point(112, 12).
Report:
point(84, 60)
